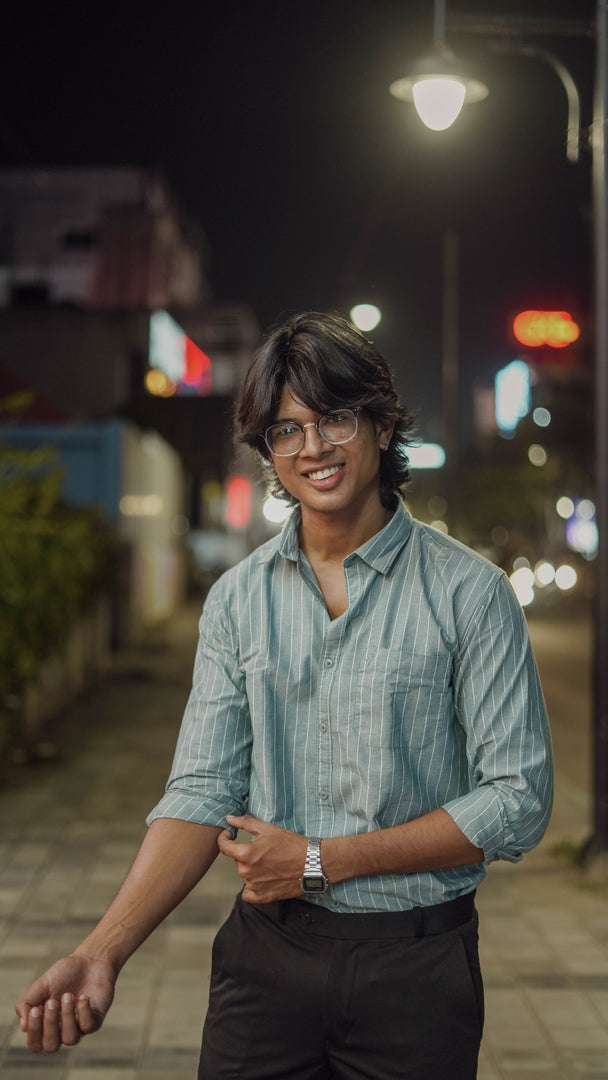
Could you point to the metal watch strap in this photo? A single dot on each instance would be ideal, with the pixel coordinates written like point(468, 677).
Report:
point(313, 856)
point(313, 880)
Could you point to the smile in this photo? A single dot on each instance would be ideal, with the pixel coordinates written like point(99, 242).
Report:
point(323, 474)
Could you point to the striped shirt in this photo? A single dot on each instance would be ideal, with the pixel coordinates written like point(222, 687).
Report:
point(423, 694)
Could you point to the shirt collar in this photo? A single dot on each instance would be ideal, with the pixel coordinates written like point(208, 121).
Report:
point(380, 552)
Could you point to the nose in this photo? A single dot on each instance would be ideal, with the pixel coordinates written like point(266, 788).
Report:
point(314, 443)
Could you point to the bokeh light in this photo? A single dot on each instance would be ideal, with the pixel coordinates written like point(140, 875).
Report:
point(366, 316)
point(566, 577)
point(522, 581)
point(544, 573)
point(537, 455)
point(276, 510)
point(565, 507)
point(541, 417)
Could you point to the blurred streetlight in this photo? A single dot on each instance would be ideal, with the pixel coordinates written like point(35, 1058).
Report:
point(445, 70)
point(366, 316)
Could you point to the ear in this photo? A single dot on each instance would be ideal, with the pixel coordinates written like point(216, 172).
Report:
point(384, 432)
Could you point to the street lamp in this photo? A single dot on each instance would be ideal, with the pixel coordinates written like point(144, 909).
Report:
point(439, 84)
point(449, 76)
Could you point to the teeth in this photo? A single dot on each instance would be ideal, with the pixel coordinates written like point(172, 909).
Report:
point(322, 474)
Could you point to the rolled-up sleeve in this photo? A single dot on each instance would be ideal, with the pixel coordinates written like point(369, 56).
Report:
point(210, 773)
point(500, 705)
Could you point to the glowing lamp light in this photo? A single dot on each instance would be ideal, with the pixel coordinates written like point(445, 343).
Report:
point(238, 502)
point(541, 417)
point(366, 316)
point(439, 86)
point(566, 577)
point(544, 573)
point(553, 328)
point(276, 510)
point(537, 455)
point(581, 531)
point(522, 581)
point(512, 394)
point(583, 536)
point(158, 384)
point(438, 101)
point(565, 507)
point(426, 456)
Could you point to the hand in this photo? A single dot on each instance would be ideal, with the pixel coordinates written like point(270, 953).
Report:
point(271, 866)
point(70, 1000)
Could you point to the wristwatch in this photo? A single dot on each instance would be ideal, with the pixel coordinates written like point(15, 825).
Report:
point(313, 879)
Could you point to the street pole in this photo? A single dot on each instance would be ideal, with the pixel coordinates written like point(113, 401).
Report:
point(599, 843)
point(449, 366)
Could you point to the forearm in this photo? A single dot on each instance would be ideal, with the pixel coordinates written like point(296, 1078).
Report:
point(173, 857)
point(432, 842)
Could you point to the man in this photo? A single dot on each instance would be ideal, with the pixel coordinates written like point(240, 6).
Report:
point(366, 706)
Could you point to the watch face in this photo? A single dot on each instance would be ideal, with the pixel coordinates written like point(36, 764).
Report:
point(314, 883)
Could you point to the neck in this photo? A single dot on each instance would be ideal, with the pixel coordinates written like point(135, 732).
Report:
point(331, 537)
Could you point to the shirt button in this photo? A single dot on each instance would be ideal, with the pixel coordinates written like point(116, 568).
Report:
point(322, 727)
point(323, 795)
point(329, 663)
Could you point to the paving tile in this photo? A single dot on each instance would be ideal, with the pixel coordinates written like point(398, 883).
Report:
point(51, 1065)
point(171, 1061)
point(102, 1074)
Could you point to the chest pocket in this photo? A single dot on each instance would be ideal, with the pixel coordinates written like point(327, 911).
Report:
point(404, 700)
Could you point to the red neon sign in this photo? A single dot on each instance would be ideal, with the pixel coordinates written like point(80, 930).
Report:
point(553, 328)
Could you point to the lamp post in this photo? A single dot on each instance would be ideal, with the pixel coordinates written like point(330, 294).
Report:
point(447, 74)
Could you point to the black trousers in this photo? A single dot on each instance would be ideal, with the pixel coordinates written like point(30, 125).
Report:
point(301, 993)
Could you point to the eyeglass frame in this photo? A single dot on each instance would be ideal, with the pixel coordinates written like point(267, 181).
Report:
point(354, 409)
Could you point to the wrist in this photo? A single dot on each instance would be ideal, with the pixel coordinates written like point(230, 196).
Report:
point(105, 949)
point(340, 858)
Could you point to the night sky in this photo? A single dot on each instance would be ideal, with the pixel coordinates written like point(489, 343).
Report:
point(313, 186)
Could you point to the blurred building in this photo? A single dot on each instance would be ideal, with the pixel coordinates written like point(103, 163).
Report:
point(101, 239)
point(106, 319)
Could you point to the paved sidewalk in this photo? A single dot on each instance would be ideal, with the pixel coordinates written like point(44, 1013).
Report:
point(69, 830)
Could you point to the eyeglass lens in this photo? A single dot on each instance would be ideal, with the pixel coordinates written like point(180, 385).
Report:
point(287, 437)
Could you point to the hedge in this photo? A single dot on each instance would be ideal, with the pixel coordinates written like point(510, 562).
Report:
point(53, 560)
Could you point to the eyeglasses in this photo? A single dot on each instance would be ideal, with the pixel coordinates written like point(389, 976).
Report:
point(287, 437)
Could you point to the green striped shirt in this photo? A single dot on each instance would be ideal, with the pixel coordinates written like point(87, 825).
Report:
point(423, 694)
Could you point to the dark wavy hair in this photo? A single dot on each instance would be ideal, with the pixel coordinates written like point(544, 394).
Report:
point(326, 363)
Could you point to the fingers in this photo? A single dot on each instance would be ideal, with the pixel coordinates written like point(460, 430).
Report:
point(51, 1025)
point(88, 1020)
point(43, 1032)
point(70, 1031)
point(34, 1029)
point(51, 1033)
point(226, 844)
point(246, 822)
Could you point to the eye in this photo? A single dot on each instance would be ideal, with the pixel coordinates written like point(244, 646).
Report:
point(337, 417)
point(284, 430)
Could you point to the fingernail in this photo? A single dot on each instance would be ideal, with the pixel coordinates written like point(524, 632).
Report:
point(51, 1004)
point(35, 1013)
point(67, 999)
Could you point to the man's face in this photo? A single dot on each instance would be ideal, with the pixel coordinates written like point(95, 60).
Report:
point(325, 478)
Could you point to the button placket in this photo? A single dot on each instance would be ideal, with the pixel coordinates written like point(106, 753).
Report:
point(327, 675)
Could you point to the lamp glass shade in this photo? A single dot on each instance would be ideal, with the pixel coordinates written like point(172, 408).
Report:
point(438, 100)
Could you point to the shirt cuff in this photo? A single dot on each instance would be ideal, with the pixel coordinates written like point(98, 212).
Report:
point(482, 818)
point(202, 810)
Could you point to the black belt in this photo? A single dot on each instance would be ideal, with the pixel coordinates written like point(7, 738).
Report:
point(415, 922)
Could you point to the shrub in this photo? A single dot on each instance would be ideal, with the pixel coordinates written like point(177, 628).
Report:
point(53, 561)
